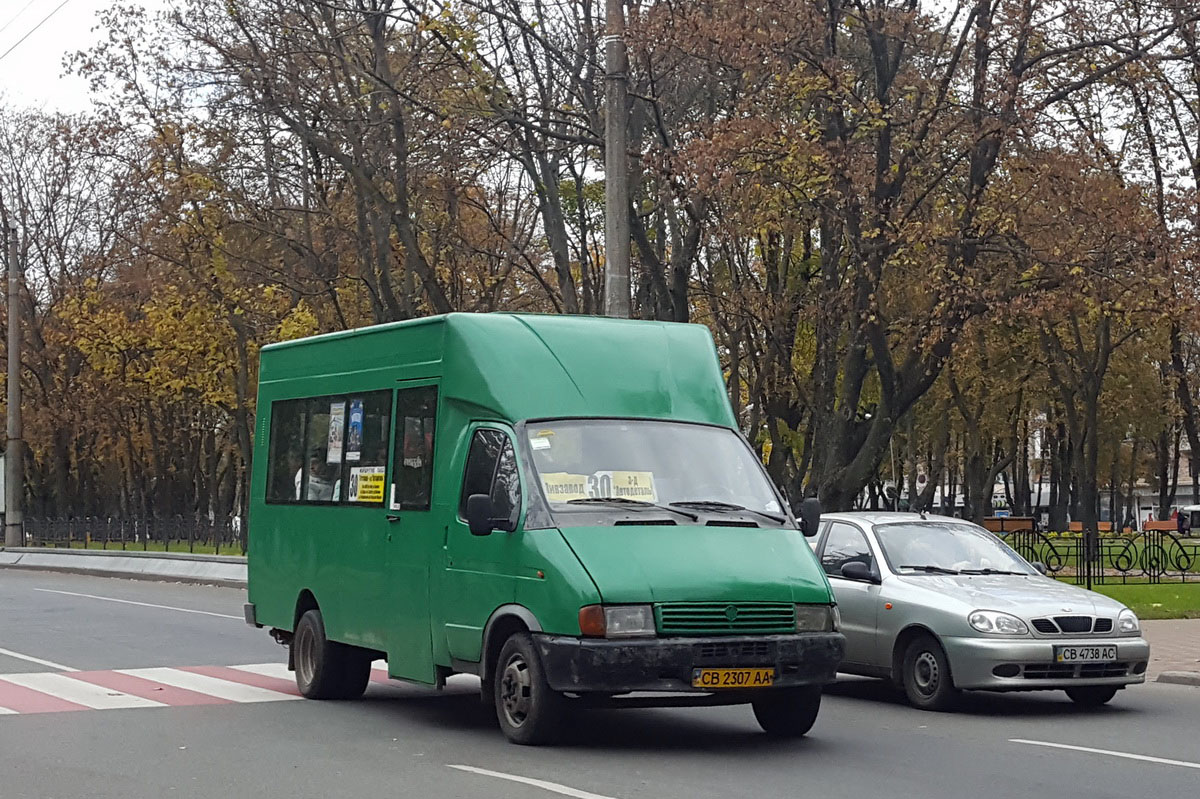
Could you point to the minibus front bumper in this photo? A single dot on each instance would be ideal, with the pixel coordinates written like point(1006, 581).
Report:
point(598, 665)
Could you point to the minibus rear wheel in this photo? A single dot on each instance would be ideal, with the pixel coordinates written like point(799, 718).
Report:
point(529, 711)
point(326, 669)
point(788, 712)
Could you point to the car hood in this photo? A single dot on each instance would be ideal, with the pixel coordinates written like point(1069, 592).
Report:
point(695, 563)
point(1027, 597)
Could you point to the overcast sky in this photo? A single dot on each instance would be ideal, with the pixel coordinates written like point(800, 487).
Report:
point(32, 74)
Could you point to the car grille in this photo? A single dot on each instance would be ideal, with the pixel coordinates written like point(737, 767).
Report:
point(1074, 624)
point(700, 618)
point(734, 653)
point(1073, 671)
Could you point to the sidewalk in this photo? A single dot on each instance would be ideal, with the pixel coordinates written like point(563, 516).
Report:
point(1174, 646)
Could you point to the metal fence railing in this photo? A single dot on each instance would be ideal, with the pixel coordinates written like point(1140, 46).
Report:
point(174, 534)
point(1150, 556)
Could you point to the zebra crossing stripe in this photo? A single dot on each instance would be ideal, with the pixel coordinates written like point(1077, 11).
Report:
point(213, 686)
point(79, 692)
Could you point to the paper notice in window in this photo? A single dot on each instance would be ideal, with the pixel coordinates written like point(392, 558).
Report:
point(564, 487)
point(366, 484)
point(632, 485)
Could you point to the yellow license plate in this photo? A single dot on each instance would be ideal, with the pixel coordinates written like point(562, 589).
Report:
point(732, 678)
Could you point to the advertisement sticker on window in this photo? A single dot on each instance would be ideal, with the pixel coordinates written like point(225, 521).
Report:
point(337, 424)
point(354, 433)
point(366, 483)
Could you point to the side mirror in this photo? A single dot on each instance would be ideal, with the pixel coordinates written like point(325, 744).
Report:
point(857, 570)
point(1041, 567)
point(479, 514)
point(810, 516)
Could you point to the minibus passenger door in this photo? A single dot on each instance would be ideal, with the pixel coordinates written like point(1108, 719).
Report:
point(411, 536)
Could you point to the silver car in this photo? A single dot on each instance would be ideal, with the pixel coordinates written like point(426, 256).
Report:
point(939, 605)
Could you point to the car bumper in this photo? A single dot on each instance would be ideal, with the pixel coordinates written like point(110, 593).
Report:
point(978, 663)
point(586, 665)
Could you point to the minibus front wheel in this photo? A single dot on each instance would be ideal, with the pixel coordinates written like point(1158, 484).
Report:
point(788, 712)
point(326, 669)
point(529, 711)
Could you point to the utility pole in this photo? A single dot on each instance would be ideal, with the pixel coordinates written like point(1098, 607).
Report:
point(616, 165)
point(14, 474)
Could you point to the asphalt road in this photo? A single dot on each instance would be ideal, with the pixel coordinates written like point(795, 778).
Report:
point(401, 741)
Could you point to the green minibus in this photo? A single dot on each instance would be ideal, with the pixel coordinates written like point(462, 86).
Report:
point(560, 505)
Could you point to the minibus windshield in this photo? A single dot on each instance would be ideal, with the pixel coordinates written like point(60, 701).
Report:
point(594, 464)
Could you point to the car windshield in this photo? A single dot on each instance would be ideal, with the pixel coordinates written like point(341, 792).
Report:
point(946, 548)
point(621, 465)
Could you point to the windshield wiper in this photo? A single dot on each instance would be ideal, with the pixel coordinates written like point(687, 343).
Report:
point(634, 502)
point(931, 569)
point(992, 571)
point(708, 504)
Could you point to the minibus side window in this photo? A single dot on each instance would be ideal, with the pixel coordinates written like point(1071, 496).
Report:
point(323, 450)
point(287, 450)
point(412, 466)
point(368, 417)
point(492, 470)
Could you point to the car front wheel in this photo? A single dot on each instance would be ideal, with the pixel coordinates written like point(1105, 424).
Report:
point(927, 679)
point(1092, 695)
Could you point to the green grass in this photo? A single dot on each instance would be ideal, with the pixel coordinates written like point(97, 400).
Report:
point(1161, 601)
point(158, 546)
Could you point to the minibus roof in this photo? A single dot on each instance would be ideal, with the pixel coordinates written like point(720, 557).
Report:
point(526, 366)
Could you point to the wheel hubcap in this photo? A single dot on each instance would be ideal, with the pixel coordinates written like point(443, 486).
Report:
point(305, 654)
point(515, 691)
point(925, 673)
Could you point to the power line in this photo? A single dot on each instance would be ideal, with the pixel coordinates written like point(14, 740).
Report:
point(45, 19)
point(14, 17)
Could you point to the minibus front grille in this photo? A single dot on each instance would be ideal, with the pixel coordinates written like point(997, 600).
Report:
point(724, 618)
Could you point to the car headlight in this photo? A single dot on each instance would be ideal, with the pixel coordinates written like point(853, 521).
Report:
point(1127, 621)
point(997, 623)
point(817, 618)
point(617, 621)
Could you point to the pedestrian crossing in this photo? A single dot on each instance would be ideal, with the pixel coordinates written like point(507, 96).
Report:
point(56, 692)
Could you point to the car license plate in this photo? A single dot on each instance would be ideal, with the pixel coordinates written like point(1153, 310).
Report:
point(1085, 654)
point(732, 678)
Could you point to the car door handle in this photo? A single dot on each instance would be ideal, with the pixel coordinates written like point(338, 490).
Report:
point(393, 518)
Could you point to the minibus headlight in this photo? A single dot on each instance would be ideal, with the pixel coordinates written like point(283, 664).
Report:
point(616, 621)
point(816, 618)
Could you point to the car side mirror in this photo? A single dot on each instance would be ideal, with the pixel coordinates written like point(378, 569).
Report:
point(857, 570)
point(479, 514)
point(810, 516)
point(1041, 567)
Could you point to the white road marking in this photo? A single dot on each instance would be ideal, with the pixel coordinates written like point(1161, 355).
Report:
point(213, 686)
point(78, 691)
point(553, 787)
point(142, 604)
point(279, 670)
point(6, 712)
point(1127, 755)
point(39, 661)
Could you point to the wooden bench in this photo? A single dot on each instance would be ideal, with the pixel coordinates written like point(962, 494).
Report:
point(1010, 524)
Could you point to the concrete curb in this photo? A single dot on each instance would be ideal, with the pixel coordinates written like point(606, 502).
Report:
point(224, 570)
point(1180, 677)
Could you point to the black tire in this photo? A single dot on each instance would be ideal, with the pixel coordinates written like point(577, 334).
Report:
point(529, 711)
point(788, 712)
point(326, 669)
point(1092, 695)
point(927, 680)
